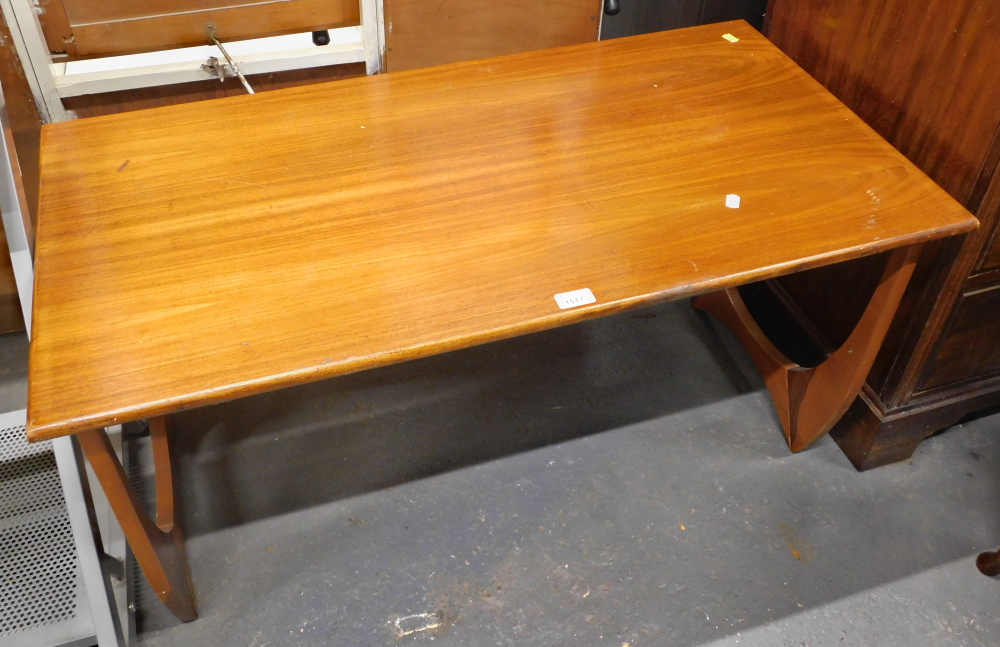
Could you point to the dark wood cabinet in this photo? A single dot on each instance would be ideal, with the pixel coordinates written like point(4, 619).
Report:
point(991, 257)
point(969, 348)
point(925, 77)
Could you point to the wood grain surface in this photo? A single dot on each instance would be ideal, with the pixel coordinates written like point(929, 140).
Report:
point(925, 80)
point(201, 252)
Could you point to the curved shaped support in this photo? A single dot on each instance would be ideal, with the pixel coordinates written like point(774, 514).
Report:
point(158, 547)
point(811, 400)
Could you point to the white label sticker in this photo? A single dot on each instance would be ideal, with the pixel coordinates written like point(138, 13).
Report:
point(731, 38)
point(733, 201)
point(575, 298)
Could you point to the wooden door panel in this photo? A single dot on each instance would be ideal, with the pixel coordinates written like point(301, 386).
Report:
point(420, 33)
point(90, 11)
point(969, 348)
point(991, 259)
point(10, 307)
point(119, 27)
point(7, 284)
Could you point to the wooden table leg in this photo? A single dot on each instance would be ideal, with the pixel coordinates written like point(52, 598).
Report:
point(989, 563)
point(811, 400)
point(158, 547)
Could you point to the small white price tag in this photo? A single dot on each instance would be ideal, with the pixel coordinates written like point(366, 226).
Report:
point(575, 298)
point(733, 201)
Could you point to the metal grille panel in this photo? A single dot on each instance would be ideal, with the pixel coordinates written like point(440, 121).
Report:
point(38, 559)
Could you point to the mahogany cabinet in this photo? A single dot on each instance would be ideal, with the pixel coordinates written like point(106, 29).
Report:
point(925, 76)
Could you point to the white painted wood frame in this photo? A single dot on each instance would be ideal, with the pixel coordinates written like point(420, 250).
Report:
point(51, 81)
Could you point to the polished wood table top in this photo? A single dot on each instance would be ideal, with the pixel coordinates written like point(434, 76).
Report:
point(202, 252)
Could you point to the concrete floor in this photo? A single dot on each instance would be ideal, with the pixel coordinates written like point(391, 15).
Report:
point(618, 482)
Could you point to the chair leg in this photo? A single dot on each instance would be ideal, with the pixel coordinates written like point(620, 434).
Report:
point(158, 547)
point(989, 563)
point(811, 400)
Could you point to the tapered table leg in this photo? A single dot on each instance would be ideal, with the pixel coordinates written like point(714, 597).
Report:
point(811, 400)
point(158, 547)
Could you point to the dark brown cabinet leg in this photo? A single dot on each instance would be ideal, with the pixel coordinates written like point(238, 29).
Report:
point(870, 440)
point(811, 400)
point(158, 547)
point(872, 437)
point(989, 563)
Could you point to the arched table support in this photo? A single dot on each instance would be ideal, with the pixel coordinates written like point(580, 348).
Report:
point(811, 400)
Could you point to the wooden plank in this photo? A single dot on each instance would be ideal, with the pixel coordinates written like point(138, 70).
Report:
point(7, 284)
point(101, 28)
point(82, 12)
point(10, 314)
point(186, 64)
point(421, 34)
point(202, 252)
point(109, 103)
point(56, 28)
point(10, 307)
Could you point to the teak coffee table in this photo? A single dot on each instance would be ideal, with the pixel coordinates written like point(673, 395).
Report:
point(204, 252)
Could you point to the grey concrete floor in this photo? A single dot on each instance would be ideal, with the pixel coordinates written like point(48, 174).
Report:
point(618, 482)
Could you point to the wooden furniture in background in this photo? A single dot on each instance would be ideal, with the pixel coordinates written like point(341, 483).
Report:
point(646, 16)
point(266, 51)
point(989, 563)
point(10, 307)
point(398, 216)
point(109, 103)
point(26, 127)
point(926, 80)
point(421, 34)
point(102, 27)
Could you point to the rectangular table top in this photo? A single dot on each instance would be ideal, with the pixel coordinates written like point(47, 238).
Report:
point(201, 252)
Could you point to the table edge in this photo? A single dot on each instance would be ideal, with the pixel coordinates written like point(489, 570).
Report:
point(47, 431)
